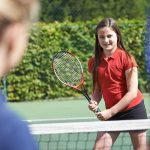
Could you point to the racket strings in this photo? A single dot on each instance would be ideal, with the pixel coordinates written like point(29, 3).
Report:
point(67, 68)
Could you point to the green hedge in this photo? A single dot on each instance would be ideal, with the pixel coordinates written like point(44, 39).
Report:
point(34, 79)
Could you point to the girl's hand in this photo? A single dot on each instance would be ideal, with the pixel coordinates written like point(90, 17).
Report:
point(104, 115)
point(93, 106)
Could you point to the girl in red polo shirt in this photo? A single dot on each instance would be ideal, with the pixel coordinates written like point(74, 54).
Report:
point(115, 77)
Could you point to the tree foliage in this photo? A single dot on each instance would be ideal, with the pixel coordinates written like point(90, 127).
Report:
point(81, 10)
point(34, 79)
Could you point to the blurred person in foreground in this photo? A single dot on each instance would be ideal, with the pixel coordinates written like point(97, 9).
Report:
point(15, 19)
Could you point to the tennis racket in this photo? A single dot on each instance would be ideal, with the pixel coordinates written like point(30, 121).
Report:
point(69, 71)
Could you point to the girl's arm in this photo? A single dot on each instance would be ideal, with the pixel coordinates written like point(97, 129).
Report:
point(96, 97)
point(132, 87)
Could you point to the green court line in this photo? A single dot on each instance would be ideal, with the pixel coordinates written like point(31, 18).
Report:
point(60, 120)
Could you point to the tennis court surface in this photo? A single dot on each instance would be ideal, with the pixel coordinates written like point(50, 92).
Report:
point(69, 125)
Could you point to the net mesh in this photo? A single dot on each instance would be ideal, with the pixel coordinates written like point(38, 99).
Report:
point(67, 68)
point(82, 135)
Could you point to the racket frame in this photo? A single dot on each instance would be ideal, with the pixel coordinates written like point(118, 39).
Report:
point(80, 87)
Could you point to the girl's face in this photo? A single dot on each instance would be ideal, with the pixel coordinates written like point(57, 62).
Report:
point(107, 39)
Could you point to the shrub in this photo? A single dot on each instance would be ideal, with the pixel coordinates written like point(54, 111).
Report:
point(34, 79)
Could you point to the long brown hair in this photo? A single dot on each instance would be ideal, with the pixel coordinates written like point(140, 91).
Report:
point(108, 22)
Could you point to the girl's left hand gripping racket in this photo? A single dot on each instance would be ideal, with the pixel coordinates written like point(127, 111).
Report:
point(69, 71)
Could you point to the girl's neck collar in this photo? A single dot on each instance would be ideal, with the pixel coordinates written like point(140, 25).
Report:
point(108, 54)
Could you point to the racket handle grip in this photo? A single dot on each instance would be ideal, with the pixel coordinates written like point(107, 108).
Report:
point(89, 99)
point(98, 110)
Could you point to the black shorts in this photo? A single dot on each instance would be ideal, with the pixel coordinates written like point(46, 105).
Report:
point(137, 112)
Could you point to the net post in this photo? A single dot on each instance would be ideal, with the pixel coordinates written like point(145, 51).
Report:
point(147, 45)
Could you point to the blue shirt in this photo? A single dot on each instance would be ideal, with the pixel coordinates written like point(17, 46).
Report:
point(14, 133)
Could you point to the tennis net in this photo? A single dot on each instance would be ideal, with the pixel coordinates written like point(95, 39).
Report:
point(82, 135)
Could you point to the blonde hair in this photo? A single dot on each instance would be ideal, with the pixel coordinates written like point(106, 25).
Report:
point(18, 11)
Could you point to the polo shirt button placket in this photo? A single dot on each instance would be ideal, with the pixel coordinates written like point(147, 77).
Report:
point(106, 72)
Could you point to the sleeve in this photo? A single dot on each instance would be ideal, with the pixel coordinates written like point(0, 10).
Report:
point(129, 62)
point(91, 65)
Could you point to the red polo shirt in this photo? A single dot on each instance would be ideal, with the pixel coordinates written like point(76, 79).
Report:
point(112, 79)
